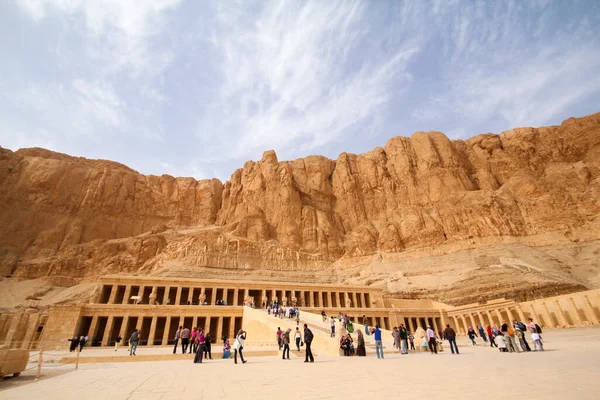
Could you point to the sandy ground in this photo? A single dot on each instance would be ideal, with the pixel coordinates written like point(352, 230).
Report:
point(568, 369)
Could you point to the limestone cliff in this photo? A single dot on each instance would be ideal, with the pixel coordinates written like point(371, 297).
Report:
point(367, 218)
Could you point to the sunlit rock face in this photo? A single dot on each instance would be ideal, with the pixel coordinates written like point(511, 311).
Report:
point(515, 214)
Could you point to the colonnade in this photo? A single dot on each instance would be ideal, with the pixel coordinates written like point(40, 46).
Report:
point(223, 295)
point(561, 311)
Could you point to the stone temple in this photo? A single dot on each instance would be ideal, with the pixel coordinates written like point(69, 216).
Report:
point(158, 306)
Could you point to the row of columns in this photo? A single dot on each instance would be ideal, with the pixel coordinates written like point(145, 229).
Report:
point(105, 340)
point(539, 311)
point(315, 298)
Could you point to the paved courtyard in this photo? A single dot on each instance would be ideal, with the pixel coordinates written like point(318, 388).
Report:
point(569, 369)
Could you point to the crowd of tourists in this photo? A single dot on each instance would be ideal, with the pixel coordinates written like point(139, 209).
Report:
point(282, 312)
point(507, 338)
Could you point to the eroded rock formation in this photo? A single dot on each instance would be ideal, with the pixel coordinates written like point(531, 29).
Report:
point(66, 218)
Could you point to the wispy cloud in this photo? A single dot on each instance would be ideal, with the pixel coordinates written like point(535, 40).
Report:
point(295, 76)
point(197, 88)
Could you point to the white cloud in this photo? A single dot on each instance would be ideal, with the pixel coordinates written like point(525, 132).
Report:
point(118, 29)
point(293, 75)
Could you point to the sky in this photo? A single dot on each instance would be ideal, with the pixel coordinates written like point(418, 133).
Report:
point(197, 88)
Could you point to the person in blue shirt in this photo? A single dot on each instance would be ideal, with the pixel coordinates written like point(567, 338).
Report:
point(378, 343)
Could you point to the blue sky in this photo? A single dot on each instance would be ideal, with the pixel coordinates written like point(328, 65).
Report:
point(196, 88)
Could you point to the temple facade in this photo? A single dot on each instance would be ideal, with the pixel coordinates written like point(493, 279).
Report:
point(158, 306)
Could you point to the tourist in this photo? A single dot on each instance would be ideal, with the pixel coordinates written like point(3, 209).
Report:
point(346, 320)
point(378, 343)
point(185, 339)
point(286, 343)
point(176, 338)
point(450, 336)
point(472, 335)
point(324, 316)
point(403, 339)
point(298, 337)
point(501, 342)
point(491, 335)
point(482, 333)
point(396, 336)
point(207, 346)
point(82, 340)
point(119, 338)
point(238, 346)
point(365, 322)
point(193, 343)
point(308, 337)
point(332, 325)
point(279, 342)
point(533, 327)
point(509, 336)
point(411, 339)
point(520, 335)
point(350, 326)
point(520, 339)
point(432, 340)
point(226, 349)
point(537, 340)
point(347, 344)
point(361, 351)
point(74, 343)
point(269, 310)
point(200, 351)
point(133, 341)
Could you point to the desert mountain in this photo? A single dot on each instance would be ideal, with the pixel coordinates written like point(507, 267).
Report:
point(515, 215)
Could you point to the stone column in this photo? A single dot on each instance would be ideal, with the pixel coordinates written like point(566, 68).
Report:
point(465, 325)
point(589, 310)
point(559, 313)
point(510, 315)
point(190, 297)
point(165, 339)
point(500, 318)
point(263, 294)
point(141, 294)
point(123, 330)
point(363, 300)
point(521, 313)
point(152, 331)
point(410, 325)
point(329, 299)
point(127, 294)
point(547, 316)
point(489, 315)
point(219, 330)
point(178, 296)
point(455, 323)
point(473, 324)
point(213, 297)
point(206, 325)
point(481, 320)
point(573, 312)
point(236, 298)
point(231, 333)
point(311, 300)
point(92, 332)
point(166, 296)
point(534, 314)
point(354, 302)
point(109, 327)
point(113, 294)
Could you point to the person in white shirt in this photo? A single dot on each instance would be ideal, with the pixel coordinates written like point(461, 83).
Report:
point(501, 342)
point(432, 340)
point(332, 324)
point(298, 338)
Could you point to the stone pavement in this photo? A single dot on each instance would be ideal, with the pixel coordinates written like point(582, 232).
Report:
point(568, 369)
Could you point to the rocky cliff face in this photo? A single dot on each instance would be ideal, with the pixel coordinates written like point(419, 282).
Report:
point(313, 218)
